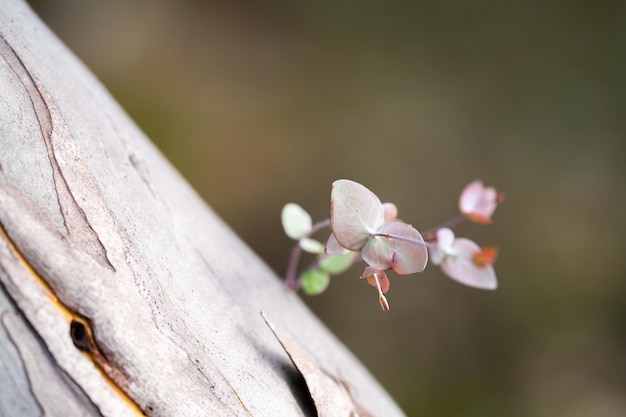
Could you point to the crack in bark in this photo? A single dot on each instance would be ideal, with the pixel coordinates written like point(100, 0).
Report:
point(108, 371)
point(142, 171)
point(74, 218)
point(74, 389)
point(331, 395)
point(22, 365)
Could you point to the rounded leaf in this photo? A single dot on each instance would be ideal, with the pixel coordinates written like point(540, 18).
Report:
point(296, 222)
point(314, 281)
point(478, 202)
point(404, 250)
point(462, 268)
point(311, 245)
point(369, 271)
point(333, 247)
point(355, 211)
point(336, 264)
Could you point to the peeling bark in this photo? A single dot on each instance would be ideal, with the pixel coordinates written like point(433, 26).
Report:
point(330, 394)
point(54, 392)
point(121, 292)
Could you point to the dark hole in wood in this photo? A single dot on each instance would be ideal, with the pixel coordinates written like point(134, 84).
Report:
point(80, 336)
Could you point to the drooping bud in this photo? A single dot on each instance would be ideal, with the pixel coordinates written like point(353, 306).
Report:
point(378, 280)
point(383, 303)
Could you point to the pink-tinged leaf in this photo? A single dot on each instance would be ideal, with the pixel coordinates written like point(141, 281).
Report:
point(369, 271)
point(378, 254)
point(355, 212)
point(462, 268)
point(383, 281)
point(444, 240)
point(404, 250)
point(478, 202)
point(333, 247)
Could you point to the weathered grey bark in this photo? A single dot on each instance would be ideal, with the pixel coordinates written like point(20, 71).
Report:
point(101, 235)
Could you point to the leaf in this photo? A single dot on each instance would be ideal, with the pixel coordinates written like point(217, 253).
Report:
point(369, 271)
point(355, 212)
point(336, 264)
point(311, 245)
point(402, 256)
point(442, 245)
point(296, 222)
point(315, 281)
point(462, 268)
point(333, 247)
point(478, 202)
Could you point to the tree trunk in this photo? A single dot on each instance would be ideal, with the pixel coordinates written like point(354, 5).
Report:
point(121, 292)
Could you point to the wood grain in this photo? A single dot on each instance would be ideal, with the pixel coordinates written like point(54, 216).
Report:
point(97, 226)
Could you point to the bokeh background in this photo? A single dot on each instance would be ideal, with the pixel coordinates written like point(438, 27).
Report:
point(259, 103)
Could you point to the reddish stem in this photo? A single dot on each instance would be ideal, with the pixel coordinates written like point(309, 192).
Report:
point(292, 281)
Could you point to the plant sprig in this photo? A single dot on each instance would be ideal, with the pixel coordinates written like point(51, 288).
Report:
point(364, 228)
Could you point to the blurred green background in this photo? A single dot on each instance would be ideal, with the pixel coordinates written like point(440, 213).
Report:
point(259, 103)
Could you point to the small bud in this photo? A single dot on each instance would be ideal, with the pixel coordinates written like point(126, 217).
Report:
point(391, 212)
point(383, 302)
point(380, 281)
point(485, 256)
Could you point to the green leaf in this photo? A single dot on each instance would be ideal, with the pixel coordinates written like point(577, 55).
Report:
point(315, 281)
point(311, 245)
point(296, 222)
point(336, 264)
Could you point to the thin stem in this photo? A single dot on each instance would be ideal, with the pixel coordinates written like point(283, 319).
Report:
point(455, 221)
point(402, 238)
point(318, 226)
point(290, 276)
point(292, 281)
point(381, 297)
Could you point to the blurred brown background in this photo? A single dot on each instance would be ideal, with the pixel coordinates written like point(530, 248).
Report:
point(259, 103)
